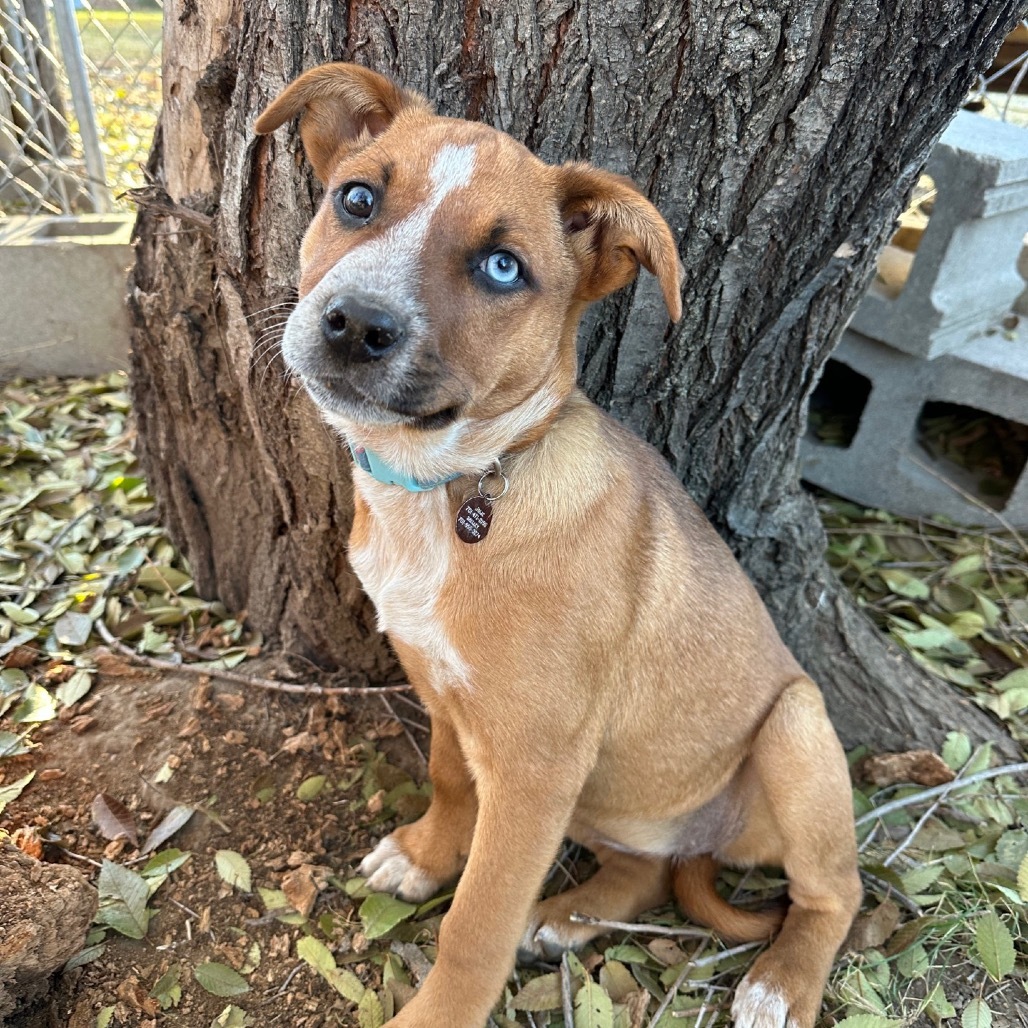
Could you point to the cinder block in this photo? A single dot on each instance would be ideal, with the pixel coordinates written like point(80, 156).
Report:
point(964, 276)
point(62, 303)
point(885, 466)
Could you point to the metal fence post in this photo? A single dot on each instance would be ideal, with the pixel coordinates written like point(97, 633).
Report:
point(82, 98)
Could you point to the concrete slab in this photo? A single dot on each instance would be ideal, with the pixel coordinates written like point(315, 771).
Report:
point(62, 302)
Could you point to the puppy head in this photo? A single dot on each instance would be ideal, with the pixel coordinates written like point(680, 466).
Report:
point(443, 278)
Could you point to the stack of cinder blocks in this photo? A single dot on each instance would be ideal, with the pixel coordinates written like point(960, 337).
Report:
point(948, 336)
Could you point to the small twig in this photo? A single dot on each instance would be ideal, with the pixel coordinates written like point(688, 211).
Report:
point(923, 819)
point(249, 680)
point(289, 977)
point(416, 725)
point(889, 891)
point(670, 994)
point(406, 731)
point(639, 929)
point(912, 834)
point(414, 958)
point(559, 865)
point(940, 790)
point(78, 856)
point(159, 203)
point(412, 703)
point(565, 990)
point(182, 906)
point(870, 837)
point(269, 917)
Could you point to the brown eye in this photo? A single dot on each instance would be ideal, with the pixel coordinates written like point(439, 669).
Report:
point(356, 200)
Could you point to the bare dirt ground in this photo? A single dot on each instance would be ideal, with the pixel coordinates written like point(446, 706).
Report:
point(239, 757)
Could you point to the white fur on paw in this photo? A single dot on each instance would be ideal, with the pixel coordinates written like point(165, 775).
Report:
point(388, 869)
point(547, 941)
point(757, 1005)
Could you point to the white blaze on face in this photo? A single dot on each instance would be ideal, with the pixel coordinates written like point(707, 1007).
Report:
point(386, 269)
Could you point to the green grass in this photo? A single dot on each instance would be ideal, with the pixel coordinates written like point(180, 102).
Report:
point(135, 35)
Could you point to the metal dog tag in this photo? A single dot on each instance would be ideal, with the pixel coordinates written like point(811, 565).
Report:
point(473, 519)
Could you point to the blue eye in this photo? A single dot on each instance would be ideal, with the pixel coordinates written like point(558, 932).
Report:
point(502, 267)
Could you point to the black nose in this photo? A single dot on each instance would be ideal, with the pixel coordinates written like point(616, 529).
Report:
point(356, 330)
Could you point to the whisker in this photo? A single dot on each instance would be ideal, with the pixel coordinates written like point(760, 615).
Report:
point(271, 332)
point(267, 367)
point(266, 349)
point(280, 305)
point(272, 324)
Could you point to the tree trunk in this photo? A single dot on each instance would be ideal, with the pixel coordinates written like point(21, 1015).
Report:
point(779, 140)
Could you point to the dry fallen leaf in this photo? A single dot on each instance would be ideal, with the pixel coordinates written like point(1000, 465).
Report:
point(190, 728)
point(201, 695)
point(27, 839)
point(175, 819)
point(113, 666)
point(114, 849)
point(922, 767)
point(302, 741)
point(667, 951)
point(873, 929)
point(114, 819)
point(301, 889)
point(21, 657)
point(136, 996)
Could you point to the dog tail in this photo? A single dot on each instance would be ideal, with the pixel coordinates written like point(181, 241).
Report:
point(693, 883)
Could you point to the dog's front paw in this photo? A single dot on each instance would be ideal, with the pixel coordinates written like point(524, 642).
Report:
point(759, 1003)
point(547, 939)
point(388, 869)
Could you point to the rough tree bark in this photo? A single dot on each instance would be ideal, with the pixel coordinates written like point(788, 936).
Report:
point(779, 139)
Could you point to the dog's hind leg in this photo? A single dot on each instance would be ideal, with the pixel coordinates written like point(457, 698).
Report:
point(417, 859)
point(625, 885)
point(800, 804)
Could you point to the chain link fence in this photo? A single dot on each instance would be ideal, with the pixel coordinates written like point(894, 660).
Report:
point(80, 92)
point(1002, 92)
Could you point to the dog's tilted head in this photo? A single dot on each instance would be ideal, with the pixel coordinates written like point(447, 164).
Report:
point(443, 278)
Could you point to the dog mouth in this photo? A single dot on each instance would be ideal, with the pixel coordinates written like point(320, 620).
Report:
point(339, 395)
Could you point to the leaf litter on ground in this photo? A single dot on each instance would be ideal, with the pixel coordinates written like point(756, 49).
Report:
point(955, 599)
point(79, 544)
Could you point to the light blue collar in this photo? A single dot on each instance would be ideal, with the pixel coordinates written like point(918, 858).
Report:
point(386, 473)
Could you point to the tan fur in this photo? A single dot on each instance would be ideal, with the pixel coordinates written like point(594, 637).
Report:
point(620, 680)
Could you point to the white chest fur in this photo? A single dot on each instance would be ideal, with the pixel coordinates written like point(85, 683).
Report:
point(403, 566)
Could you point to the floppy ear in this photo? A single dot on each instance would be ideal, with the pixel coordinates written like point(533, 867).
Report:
point(342, 105)
point(613, 229)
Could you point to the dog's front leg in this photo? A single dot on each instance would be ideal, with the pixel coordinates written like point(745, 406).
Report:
point(416, 860)
point(523, 813)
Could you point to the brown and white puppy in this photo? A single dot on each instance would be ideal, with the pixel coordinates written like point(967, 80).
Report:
point(598, 666)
